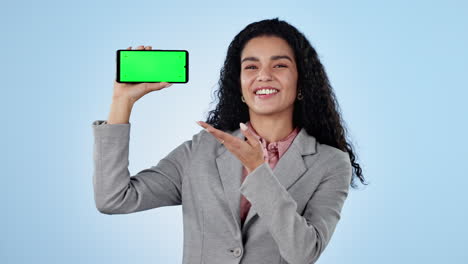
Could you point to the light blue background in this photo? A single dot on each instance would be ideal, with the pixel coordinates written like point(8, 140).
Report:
point(399, 70)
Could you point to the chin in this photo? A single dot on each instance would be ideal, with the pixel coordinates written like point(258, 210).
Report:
point(264, 111)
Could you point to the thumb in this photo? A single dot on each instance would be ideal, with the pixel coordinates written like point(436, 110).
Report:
point(252, 140)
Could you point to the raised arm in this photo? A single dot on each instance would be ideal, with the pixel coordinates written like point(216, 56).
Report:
point(115, 191)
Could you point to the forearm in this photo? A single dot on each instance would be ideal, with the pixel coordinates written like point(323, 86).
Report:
point(300, 238)
point(111, 175)
point(120, 111)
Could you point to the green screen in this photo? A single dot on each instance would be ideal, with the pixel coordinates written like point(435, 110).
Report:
point(152, 66)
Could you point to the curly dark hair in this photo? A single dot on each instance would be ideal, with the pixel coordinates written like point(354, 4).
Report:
point(318, 112)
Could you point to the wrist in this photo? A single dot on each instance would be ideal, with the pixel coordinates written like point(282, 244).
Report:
point(255, 166)
point(122, 100)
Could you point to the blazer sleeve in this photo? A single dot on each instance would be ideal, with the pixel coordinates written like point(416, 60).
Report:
point(115, 191)
point(301, 239)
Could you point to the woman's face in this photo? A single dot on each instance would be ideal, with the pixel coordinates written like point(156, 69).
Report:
point(260, 68)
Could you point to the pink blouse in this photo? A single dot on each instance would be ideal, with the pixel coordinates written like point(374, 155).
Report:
point(272, 153)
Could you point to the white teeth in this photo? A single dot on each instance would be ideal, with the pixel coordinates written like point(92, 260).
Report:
point(266, 91)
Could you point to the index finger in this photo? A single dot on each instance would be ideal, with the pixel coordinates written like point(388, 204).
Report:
point(228, 138)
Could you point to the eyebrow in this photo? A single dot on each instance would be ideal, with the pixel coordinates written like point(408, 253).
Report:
point(277, 57)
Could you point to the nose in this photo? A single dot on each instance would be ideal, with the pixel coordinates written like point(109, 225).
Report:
point(264, 74)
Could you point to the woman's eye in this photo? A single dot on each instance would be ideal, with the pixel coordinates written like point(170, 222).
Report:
point(248, 67)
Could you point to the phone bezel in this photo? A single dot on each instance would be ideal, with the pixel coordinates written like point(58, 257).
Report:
point(155, 50)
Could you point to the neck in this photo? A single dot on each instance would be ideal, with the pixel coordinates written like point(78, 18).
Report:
point(272, 129)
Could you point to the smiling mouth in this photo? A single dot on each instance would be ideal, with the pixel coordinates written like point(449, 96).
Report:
point(271, 89)
point(266, 96)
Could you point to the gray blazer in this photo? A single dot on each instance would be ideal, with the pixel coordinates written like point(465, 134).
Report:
point(294, 208)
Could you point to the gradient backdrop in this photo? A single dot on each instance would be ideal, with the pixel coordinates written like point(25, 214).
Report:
point(398, 68)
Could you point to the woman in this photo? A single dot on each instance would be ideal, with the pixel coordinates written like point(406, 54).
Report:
point(267, 177)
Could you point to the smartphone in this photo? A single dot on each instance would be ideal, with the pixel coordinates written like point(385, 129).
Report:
point(137, 66)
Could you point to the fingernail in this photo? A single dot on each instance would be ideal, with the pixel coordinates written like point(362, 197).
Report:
point(243, 127)
point(167, 85)
point(198, 123)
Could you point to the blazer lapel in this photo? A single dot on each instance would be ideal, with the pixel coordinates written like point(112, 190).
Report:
point(230, 172)
point(288, 169)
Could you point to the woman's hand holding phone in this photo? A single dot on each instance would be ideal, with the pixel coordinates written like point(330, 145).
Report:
point(126, 94)
point(132, 91)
